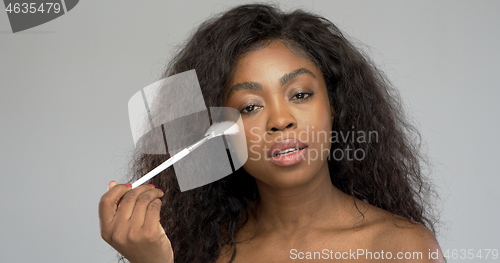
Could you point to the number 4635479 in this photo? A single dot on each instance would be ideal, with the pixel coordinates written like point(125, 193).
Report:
point(32, 8)
point(484, 253)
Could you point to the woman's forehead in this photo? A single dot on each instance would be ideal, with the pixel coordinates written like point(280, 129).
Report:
point(273, 60)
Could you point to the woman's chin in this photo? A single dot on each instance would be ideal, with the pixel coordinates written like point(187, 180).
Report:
point(284, 180)
point(288, 176)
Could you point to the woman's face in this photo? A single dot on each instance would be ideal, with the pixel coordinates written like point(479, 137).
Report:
point(284, 106)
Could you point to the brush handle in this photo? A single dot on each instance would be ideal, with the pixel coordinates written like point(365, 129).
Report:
point(161, 167)
point(169, 162)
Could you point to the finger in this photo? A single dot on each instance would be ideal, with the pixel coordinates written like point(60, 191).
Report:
point(112, 184)
point(152, 219)
point(142, 205)
point(109, 202)
point(127, 204)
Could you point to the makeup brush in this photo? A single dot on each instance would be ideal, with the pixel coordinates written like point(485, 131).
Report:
point(217, 129)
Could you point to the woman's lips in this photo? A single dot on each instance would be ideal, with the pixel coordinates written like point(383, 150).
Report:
point(287, 152)
point(289, 159)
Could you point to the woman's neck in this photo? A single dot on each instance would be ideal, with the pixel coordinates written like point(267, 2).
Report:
point(289, 211)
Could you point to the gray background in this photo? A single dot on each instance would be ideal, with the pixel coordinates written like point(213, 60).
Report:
point(65, 87)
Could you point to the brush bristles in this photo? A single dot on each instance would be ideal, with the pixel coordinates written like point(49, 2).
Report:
point(232, 130)
point(220, 128)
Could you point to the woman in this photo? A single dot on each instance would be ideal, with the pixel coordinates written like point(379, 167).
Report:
point(331, 166)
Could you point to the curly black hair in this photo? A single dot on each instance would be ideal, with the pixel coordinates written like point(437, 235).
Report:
point(201, 221)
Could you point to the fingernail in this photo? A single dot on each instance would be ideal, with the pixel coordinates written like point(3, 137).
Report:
point(152, 185)
point(129, 185)
point(109, 184)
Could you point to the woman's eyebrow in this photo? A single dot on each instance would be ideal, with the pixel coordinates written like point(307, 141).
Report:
point(258, 87)
point(244, 86)
point(289, 76)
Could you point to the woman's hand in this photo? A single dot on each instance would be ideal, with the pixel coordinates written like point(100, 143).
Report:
point(130, 223)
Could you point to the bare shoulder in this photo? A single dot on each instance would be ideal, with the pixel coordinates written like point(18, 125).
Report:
point(407, 240)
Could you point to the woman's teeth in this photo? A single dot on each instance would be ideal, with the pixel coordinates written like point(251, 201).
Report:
point(287, 151)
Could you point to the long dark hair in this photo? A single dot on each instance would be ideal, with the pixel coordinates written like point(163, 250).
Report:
point(201, 221)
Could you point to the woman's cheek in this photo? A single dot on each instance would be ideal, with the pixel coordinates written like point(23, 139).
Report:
point(319, 143)
point(253, 135)
point(254, 153)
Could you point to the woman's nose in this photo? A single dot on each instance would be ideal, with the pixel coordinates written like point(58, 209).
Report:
point(280, 118)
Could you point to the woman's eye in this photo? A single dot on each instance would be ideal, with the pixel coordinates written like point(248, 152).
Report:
point(249, 109)
point(302, 95)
